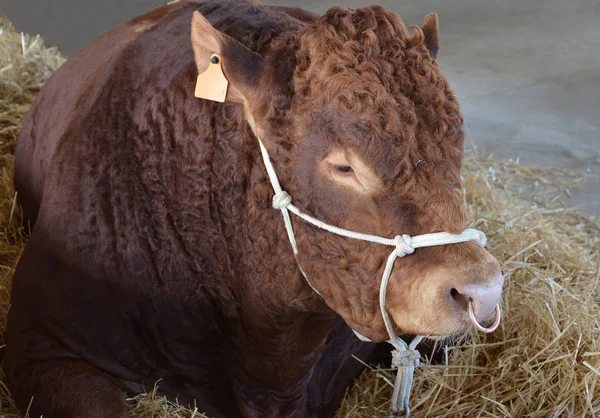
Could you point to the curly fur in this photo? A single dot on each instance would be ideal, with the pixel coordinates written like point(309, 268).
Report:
point(155, 252)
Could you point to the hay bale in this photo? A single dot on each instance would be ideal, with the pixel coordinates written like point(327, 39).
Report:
point(544, 361)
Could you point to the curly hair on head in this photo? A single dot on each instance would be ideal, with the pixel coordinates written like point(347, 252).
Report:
point(368, 65)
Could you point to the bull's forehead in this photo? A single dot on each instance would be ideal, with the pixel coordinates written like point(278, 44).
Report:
point(392, 140)
point(366, 81)
point(407, 102)
point(371, 30)
point(370, 42)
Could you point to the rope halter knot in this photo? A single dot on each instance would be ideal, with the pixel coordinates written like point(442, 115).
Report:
point(408, 357)
point(282, 200)
point(403, 245)
point(481, 238)
point(405, 357)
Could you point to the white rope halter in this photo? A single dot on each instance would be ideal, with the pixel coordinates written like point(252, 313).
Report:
point(404, 357)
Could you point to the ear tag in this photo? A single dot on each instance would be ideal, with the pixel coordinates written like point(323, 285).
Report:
point(212, 84)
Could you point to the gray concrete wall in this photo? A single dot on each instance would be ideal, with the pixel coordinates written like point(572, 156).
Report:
point(527, 72)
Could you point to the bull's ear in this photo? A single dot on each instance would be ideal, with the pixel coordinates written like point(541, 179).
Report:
point(431, 31)
point(241, 66)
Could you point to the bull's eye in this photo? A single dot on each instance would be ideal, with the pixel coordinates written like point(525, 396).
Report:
point(348, 170)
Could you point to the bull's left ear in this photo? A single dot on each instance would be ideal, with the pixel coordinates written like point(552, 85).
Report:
point(240, 66)
point(431, 31)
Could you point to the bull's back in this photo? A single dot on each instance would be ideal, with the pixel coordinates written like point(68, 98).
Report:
point(68, 97)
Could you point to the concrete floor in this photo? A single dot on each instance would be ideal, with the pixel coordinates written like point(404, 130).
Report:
point(527, 72)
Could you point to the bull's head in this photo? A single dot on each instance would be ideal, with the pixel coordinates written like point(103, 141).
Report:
point(367, 135)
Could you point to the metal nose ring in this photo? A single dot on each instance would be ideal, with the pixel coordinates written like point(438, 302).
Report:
point(481, 328)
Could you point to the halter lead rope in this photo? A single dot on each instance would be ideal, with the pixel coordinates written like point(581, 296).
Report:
point(404, 357)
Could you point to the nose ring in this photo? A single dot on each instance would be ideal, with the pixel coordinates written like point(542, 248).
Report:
point(478, 326)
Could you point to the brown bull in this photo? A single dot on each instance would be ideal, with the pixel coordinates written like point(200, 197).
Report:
point(156, 254)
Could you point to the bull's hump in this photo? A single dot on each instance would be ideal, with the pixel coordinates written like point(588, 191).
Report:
point(249, 23)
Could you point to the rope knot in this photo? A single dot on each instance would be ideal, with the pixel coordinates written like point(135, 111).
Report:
point(282, 200)
point(481, 238)
point(403, 358)
point(403, 245)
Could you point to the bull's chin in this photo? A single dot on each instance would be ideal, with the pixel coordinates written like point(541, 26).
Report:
point(379, 334)
point(460, 330)
point(376, 335)
point(442, 330)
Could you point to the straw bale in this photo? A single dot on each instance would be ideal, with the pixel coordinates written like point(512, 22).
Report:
point(544, 360)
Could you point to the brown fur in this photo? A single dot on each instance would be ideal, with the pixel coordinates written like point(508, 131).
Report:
point(155, 252)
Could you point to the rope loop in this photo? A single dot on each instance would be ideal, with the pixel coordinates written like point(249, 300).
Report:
point(403, 245)
point(282, 200)
point(403, 358)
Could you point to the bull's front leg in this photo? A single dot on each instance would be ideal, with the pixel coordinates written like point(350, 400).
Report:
point(337, 369)
point(298, 375)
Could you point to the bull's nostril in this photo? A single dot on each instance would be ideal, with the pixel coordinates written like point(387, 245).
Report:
point(459, 298)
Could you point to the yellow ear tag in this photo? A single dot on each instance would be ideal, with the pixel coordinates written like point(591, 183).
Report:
point(212, 84)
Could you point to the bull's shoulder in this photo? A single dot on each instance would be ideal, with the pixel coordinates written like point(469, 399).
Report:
point(71, 93)
point(138, 158)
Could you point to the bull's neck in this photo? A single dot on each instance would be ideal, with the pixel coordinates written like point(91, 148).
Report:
point(279, 317)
